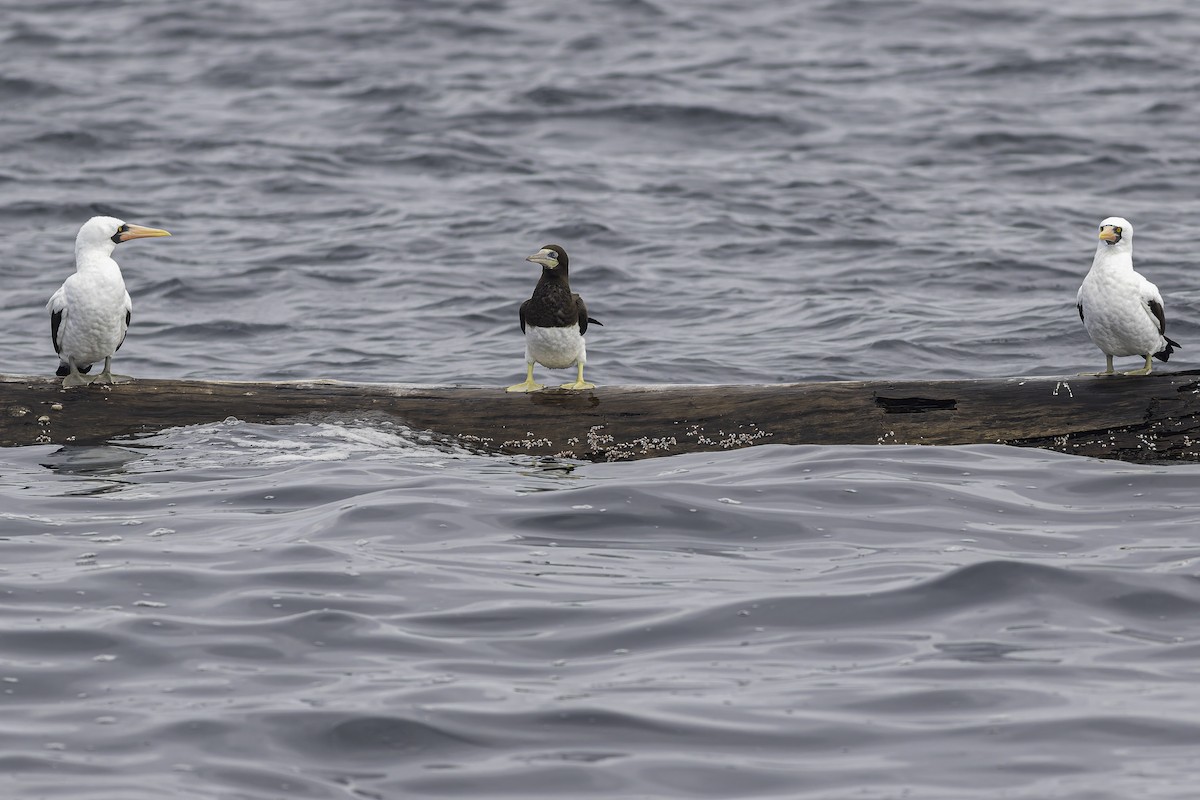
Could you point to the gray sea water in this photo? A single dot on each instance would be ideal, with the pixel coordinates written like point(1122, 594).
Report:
point(750, 192)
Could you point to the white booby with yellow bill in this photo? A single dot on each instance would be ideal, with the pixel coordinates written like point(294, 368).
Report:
point(1122, 311)
point(90, 312)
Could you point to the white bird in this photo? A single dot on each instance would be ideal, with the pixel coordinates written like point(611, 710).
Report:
point(90, 312)
point(1122, 311)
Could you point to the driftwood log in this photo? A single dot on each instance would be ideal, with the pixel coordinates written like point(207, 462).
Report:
point(1142, 419)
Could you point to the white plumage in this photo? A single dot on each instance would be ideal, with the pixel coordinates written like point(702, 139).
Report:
point(1122, 311)
point(90, 312)
point(555, 348)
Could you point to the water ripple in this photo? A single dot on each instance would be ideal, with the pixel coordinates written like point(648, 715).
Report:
point(757, 192)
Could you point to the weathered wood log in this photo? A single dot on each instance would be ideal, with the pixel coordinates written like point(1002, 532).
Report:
point(1144, 419)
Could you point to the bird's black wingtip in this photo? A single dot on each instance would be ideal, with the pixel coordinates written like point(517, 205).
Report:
point(595, 322)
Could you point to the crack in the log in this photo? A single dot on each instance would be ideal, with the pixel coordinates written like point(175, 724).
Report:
point(563, 398)
point(1151, 411)
point(1145, 443)
point(914, 405)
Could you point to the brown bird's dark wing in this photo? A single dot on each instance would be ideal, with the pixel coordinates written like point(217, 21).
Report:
point(582, 315)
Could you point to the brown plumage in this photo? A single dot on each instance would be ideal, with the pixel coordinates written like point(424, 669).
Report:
point(553, 304)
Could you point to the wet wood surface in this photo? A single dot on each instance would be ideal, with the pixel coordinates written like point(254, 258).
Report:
point(1140, 419)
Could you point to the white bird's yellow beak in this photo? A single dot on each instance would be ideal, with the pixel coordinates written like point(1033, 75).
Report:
point(140, 232)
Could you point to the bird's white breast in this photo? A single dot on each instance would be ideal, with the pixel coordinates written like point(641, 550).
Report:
point(1116, 315)
point(95, 316)
point(555, 348)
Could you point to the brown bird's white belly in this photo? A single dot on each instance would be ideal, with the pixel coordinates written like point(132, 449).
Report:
point(556, 348)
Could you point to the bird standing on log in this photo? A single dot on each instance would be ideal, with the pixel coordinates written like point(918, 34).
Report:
point(90, 312)
point(1122, 311)
point(554, 321)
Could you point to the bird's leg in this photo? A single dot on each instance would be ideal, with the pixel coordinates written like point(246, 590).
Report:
point(528, 385)
point(74, 378)
point(1143, 371)
point(1107, 371)
point(579, 383)
point(106, 375)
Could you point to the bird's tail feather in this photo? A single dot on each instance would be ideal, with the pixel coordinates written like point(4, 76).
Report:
point(1165, 353)
point(64, 370)
point(595, 322)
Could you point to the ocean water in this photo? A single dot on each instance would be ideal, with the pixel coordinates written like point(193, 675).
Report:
point(750, 192)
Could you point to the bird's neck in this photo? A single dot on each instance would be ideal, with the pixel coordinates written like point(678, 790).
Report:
point(554, 277)
point(1111, 259)
point(96, 261)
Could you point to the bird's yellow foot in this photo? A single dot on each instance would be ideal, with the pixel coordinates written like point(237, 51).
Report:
point(74, 379)
point(1108, 369)
point(111, 378)
point(579, 383)
point(1143, 371)
point(528, 385)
